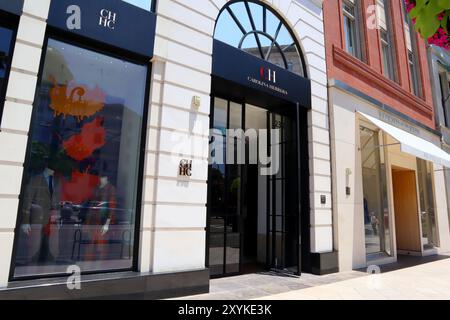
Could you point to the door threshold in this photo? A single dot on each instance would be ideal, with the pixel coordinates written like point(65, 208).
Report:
point(379, 259)
point(409, 253)
point(285, 273)
point(430, 252)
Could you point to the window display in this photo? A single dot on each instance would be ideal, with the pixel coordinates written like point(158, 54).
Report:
point(81, 173)
point(6, 37)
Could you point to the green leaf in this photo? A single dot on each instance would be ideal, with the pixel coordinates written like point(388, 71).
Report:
point(445, 20)
point(428, 29)
point(427, 22)
point(426, 14)
point(444, 4)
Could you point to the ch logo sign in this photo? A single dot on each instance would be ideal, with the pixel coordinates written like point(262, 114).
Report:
point(185, 168)
point(107, 19)
point(268, 74)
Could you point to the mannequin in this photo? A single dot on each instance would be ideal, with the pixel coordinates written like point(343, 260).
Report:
point(100, 217)
point(40, 206)
point(103, 183)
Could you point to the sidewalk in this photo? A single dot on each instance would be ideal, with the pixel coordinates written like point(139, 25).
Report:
point(259, 285)
point(408, 278)
point(426, 281)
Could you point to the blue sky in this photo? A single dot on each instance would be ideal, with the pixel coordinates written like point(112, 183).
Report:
point(228, 32)
point(144, 4)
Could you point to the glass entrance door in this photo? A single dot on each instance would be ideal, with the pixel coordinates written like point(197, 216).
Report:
point(253, 212)
point(283, 218)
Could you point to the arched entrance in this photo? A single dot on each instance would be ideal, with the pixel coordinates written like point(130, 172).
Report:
point(258, 189)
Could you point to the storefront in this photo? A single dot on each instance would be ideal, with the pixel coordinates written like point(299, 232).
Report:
point(390, 170)
point(80, 197)
point(258, 178)
point(112, 180)
point(440, 77)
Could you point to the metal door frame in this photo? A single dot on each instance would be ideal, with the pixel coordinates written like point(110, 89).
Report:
point(297, 134)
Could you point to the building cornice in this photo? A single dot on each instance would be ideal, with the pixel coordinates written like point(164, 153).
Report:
point(338, 84)
point(365, 72)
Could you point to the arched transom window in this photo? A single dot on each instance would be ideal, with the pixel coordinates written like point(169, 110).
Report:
point(255, 28)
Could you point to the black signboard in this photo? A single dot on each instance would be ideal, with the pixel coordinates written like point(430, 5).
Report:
point(12, 6)
point(250, 71)
point(114, 22)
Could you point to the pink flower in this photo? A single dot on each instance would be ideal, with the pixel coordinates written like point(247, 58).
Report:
point(409, 5)
point(441, 39)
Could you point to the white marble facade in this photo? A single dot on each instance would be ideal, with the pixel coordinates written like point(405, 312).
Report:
point(173, 217)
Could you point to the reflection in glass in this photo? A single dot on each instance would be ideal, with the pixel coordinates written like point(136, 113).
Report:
point(225, 190)
point(254, 207)
point(217, 183)
point(5, 54)
point(254, 28)
point(427, 208)
point(375, 202)
point(81, 173)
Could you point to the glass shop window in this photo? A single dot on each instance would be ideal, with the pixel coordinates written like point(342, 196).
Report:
point(375, 202)
point(425, 173)
point(6, 50)
point(78, 202)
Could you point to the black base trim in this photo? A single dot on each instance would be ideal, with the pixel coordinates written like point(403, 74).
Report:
point(324, 263)
point(125, 285)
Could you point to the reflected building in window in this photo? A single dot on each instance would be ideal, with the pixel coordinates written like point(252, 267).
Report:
point(81, 173)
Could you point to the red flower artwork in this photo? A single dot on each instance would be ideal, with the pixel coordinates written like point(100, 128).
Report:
point(79, 188)
point(75, 100)
point(91, 138)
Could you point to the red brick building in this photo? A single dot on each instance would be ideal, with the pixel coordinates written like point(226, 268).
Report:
point(385, 154)
point(369, 73)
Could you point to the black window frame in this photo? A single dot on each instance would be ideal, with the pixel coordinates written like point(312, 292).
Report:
point(11, 22)
point(101, 48)
point(153, 6)
point(257, 33)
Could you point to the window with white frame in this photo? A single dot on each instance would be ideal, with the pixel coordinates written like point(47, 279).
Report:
point(387, 45)
point(413, 62)
point(414, 73)
point(352, 26)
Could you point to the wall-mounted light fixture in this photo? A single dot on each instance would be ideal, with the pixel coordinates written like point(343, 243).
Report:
point(196, 102)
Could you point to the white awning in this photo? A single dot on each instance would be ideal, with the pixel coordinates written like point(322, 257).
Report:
point(411, 144)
